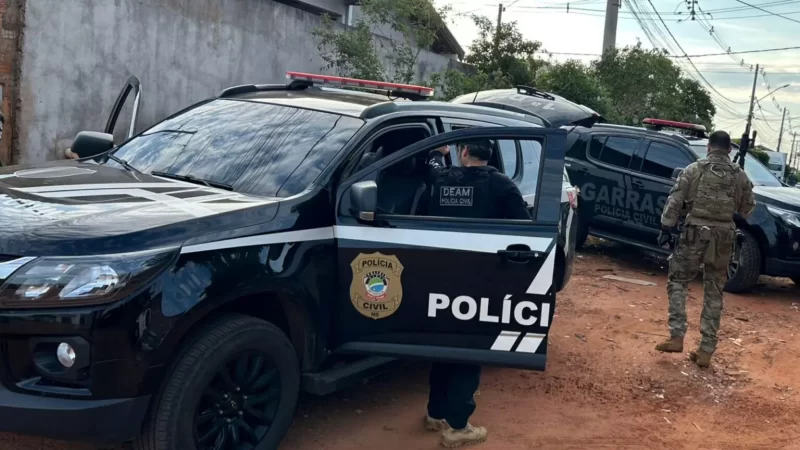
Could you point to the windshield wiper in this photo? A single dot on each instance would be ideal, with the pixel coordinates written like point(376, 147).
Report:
point(191, 179)
point(170, 132)
point(123, 163)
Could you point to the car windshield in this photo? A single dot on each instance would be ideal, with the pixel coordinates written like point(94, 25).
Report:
point(253, 147)
point(758, 174)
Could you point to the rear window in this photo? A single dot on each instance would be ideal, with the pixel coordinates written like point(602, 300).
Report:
point(613, 150)
point(258, 148)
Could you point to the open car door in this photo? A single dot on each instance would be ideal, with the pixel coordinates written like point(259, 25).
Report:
point(443, 288)
point(121, 108)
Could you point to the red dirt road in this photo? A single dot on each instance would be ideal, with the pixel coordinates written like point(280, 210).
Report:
point(605, 386)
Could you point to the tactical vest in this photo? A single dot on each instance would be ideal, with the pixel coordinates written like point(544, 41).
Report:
point(715, 192)
point(460, 192)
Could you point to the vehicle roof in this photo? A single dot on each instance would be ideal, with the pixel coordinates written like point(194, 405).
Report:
point(364, 105)
point(639, 130)
point(553, 108)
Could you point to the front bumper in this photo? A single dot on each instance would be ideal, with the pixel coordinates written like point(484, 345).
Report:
point(113, 420)
point(782, 268)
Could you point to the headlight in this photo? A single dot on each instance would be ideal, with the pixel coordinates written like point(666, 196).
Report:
point(789, 218)
point(76, 281)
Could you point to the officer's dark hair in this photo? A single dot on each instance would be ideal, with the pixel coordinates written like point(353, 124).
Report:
point(479, 149)
point(720, 140)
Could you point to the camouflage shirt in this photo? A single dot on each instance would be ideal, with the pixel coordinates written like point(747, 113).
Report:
point(709, 192)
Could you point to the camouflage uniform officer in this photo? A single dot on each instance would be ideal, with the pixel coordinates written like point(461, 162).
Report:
point(709, 192)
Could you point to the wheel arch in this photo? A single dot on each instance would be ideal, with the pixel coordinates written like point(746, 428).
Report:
point(760, 237)
point(278, 309)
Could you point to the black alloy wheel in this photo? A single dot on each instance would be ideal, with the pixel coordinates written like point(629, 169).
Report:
point(233, 385)
point(239, 406)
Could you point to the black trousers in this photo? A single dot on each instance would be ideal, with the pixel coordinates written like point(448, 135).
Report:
point(452, 392)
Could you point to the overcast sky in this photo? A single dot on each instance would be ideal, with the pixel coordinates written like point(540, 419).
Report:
point(581, 31)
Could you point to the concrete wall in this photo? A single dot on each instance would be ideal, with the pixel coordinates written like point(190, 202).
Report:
point(78, 53)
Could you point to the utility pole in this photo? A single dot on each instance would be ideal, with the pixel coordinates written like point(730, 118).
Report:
point(744, 145)
point(610, 33)
point(780, 135)
point(792, 151)
point(500, 10)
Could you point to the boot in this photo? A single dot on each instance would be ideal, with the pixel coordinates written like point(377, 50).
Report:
point(469, 435)
point(432, 424)
point(701, 358)
point(671, 345)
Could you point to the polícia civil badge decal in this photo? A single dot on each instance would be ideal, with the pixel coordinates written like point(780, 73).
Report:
point(376, 290)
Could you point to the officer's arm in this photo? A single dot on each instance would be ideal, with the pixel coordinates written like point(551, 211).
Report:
point(747, 201)
point(677, 197)
point(435, 164)
point(508, 194)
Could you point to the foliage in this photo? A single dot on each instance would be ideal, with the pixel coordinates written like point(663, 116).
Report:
point(356, 51)
point(761, 155)
point(577, 82)
point(646, 83)
point(625, 85)
point(506, 56)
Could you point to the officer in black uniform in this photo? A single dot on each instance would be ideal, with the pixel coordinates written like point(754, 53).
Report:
point(474, 190)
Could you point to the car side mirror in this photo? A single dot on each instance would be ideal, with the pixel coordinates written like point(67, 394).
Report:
point(676, 173)
point(88, 144)
point(364, 200)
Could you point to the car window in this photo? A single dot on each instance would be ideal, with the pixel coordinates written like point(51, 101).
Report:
point(531, 157)
point(508, 151)
point(758, 174)
point(661, 159)
point(257, 148)
point(596, 146)
point(618, 151)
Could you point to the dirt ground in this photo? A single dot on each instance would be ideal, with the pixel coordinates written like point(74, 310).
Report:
point(605, 386)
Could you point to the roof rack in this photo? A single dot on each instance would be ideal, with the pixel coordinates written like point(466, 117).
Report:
point(678, 137)
point(532, 91)
point(692, 129)
point(407, 91)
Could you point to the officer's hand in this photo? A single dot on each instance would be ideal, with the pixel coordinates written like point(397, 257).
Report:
point(445, 149)
point(663, 238)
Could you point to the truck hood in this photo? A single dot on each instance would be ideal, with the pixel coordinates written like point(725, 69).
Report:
point(780, 196)
point(72, 208)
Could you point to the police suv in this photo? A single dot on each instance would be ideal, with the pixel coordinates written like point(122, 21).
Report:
point(182, 288)
point(625, 174)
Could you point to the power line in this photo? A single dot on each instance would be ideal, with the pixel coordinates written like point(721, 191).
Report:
point(770, 12)
point(690, 60)
point(765, 50)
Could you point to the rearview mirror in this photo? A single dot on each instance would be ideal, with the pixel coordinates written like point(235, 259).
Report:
point(676, 173)
point(364, 200)
point(88, 144)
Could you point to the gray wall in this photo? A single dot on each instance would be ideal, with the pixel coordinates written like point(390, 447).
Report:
point(78, 53)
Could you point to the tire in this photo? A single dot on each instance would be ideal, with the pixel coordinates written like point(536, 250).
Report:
point(199, 369)
point(745, 277)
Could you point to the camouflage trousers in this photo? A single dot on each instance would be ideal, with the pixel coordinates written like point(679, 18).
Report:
point(708, 248)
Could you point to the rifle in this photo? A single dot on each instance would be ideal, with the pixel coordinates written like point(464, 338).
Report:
point(744, 146)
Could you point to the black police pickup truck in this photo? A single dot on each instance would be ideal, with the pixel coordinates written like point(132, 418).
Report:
point(625, 175)
point(182, 288)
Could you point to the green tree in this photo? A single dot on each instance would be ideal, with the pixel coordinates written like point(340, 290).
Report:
point(646, 83)
point(575, 81)
point(507, 55)
point(495, 61)
point(357, 52)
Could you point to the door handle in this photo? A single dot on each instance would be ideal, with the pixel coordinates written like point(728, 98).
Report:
point(638, 184)
point(519, 253)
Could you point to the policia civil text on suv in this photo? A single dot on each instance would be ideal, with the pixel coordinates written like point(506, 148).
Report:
point(474, 190)
point(708, 192)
